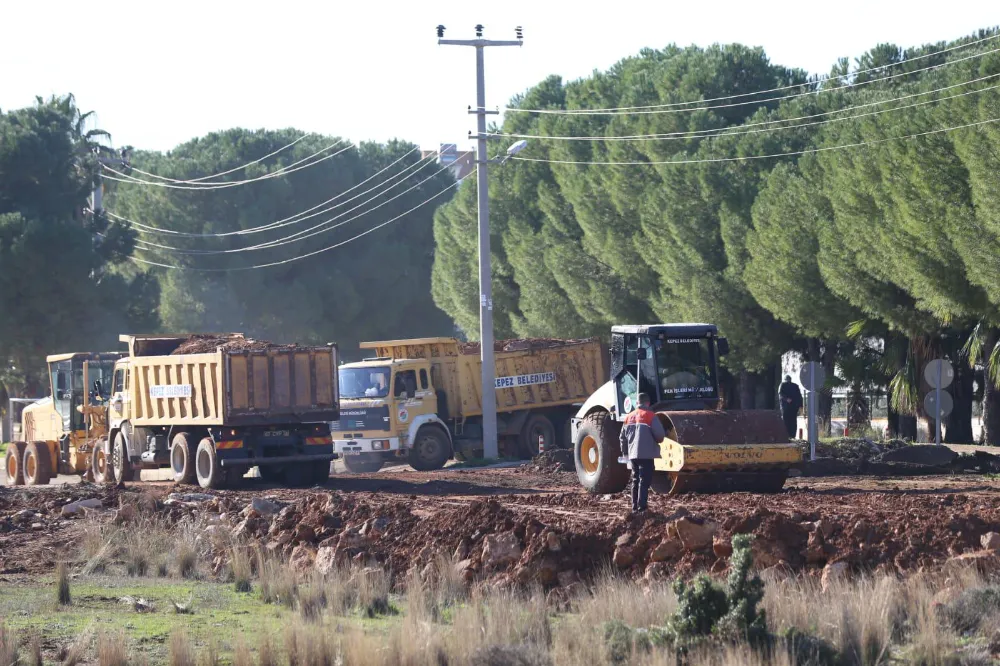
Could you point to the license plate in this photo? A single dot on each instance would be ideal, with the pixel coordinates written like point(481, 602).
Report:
point(276, 433)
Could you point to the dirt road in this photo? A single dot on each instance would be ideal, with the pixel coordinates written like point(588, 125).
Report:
point(895, 525)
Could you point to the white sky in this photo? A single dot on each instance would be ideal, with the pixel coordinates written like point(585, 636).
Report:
point(159, 73)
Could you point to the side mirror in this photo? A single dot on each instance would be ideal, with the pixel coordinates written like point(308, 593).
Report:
point(641, 353)
point(723, 346)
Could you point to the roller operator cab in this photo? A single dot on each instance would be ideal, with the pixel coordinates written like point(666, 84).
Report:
point(61, 432)
point(706, 448)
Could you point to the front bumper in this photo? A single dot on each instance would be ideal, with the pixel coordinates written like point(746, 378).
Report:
point(366, 445)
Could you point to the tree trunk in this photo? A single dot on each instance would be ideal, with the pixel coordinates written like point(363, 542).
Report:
point(825, 404)
point(991, 395)
point(958, 425)
point(747, 390)
point(907, 427)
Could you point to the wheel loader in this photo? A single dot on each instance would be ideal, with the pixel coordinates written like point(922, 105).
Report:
point(707, 449)
point(61, 433)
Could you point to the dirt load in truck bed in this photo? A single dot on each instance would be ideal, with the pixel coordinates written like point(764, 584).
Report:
point(523, 344)
point(206, 344)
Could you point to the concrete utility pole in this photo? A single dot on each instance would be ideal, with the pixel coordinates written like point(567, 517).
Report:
point(490, 443)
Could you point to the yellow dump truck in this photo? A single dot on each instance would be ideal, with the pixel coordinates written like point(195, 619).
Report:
point(706, 448)
point(419, 401)
point(62, 432)
point(211, 416)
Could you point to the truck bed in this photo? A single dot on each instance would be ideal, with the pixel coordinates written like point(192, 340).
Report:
point(531, 376)
point(279, 385)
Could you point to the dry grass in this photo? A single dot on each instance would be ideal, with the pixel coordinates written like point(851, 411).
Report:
point(242, 569)
point(97, 545)
point(210, 657)
point(265, 652)
point(77, 650)
point(181, 652)
point(241, 655)
point(312, 598)
point(35, 650)
point(8, 646)
point(277, 583)
point(112, 649)
point(63, 596)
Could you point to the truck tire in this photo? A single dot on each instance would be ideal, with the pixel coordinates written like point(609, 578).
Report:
point(363, 463)
point(537, 425)
point(14, 463)
point(596, 451)
point(431, 449)
point(207, 468)
point(37, 464)
point(100, 464)
point(121, 466)
point(182, 457)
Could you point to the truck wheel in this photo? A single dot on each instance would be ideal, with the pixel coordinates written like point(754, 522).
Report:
point(207, 467)
point(596, 452)
point(100, 464)
point(121, 466)
point(362, 463)
point(537, 425)
point(430, 449)
point(182, 456)
point(13, 463)
point(37, 464)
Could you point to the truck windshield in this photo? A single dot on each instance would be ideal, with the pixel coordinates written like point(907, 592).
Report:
point(685, 368)
point(364, 382)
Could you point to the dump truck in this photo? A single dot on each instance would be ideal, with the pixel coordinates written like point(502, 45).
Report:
point(212, 415)
point(419, 401)
point(707, 449)
point(63, 432)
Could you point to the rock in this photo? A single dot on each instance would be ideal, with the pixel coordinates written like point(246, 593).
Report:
point(353, 539)
point(824, 527)
point(722, 547)
point(304, 533)
point(76, 508)
point(374, 528)
point(623, 558)
point(624, 539)
point(990, 541)
point(266, 507)
point(326, 559)
point(190, 497)
point(501, 549)
point(833, 572)
point(284, 538)
point(461, 551)
point(984, 561)
point(552, 542)
point(567, 578)
point(303, 558)
point(694, 535)
point(38, 527)
point(523, 574)
point(776, 573)
point(23, 516)
point(667, 549)
point(921, 455)
point(657, 571)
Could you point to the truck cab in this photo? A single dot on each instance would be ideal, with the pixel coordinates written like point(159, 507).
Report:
point(383, 404)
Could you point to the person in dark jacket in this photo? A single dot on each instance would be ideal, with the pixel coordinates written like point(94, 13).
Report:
point(791, 403)
point(640, 441)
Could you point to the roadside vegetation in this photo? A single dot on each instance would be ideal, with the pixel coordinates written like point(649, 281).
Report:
point(256, 609)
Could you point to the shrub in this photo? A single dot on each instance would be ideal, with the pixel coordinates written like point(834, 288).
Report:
point(967, 612)
point(63, 596)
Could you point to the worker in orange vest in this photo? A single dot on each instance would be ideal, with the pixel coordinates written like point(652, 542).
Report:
point(640, 441)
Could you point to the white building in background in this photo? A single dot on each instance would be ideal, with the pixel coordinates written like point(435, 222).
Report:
point(460, 163)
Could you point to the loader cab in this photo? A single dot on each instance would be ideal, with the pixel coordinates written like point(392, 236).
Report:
point(676, 364)
point(79, 380)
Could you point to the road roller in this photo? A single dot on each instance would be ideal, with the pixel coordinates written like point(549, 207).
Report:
point(707, 448)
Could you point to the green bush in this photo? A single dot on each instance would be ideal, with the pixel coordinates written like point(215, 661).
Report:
point(967, 612)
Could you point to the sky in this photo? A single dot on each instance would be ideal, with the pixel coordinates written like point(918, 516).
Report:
point(157, 74)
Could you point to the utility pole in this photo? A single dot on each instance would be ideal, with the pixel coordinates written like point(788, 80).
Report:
point(489, 393)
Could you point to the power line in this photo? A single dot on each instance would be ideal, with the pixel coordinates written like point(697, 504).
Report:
point(738, 131)
point(315, 252)
point(297, 217)
point(779, 89)
point(223, 173)
point(624, 111)
point(757, 157)
point(304, 233)
point(284, 171)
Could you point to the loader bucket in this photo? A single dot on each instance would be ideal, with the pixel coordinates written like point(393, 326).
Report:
point(726, 451)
